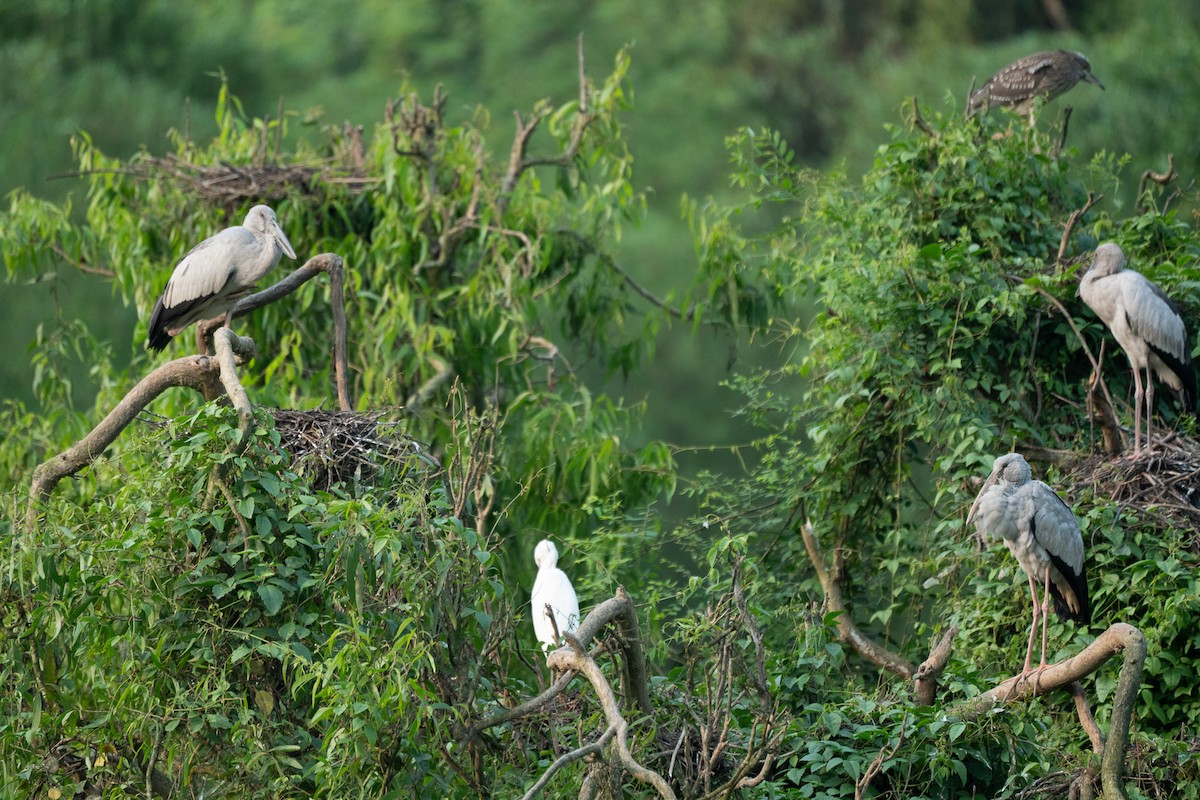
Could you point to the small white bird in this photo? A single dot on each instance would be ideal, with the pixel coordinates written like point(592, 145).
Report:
point(1041, 531)
point(217, 273)
point(1147, 325)
point(554, 602)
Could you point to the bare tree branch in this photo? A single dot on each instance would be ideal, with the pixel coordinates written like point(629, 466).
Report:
point(201, 373)
point(1161, 178)
point(518, 162)
point(925, 680)
point(1119, 637)
point(576, 658)
point(569, 758)
point(848, 632)
point(1072, 220)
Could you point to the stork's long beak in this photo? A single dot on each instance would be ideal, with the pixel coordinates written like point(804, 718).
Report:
point(982, 491)
point(281, 237)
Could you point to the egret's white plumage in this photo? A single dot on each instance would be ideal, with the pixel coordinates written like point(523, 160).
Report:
point(1041, 531)
point(216, 273)
point(552, 588)
point(1147, 325)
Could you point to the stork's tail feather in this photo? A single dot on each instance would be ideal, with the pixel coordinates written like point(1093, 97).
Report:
point(157, 337)
point(1073, 603)
point(1188, 376)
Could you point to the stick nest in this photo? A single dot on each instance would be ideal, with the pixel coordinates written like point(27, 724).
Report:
point(230, 186)
point(332, 447)
point(1162, 483)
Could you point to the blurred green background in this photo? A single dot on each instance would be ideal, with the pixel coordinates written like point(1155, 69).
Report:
point(828, 74)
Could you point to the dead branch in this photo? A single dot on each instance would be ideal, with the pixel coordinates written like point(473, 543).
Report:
point(1086, 720)
point(1119, 637)
point(1062, 135)
point(848, 632)
point(226, 341)
point(330, 264)
point(201, 373)
point(576, 659)
point(517, 160)
point(1161, 178)
point(1072, 221)
point(925, 681)
point(569, 758)
point(920, 122)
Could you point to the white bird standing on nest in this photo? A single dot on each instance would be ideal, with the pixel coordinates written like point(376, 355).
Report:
point(555, 606)
point(1041, 531)
point(216, 274)
point(1147, 325)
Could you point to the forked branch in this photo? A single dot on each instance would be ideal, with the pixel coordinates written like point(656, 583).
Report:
point(333, 266)
point(207, 375)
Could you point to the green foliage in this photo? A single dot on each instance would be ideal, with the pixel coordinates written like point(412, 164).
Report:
point(937, 344)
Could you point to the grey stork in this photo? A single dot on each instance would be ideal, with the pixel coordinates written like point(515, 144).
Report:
point(1147, 325)
point(1041, 531)
point(217, 273)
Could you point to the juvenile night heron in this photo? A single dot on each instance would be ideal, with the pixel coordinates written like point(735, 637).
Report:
point(1019, 84)
point(1041, 531)
point(217, 273)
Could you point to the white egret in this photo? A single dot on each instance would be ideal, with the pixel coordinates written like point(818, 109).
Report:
point(555, 606)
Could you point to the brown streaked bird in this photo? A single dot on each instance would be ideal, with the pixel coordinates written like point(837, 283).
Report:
point(1019, 84)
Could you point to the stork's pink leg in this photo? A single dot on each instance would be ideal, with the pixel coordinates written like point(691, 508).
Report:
point(1149, 405)
point(1138, 394)
point(1032, 628)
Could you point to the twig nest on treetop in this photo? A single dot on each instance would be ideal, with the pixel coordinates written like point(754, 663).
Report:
point(333, 447)
point(1163, 483)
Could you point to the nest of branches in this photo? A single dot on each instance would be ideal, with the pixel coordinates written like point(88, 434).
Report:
point(332, 447)
point(1162, 482)
point(230, 185)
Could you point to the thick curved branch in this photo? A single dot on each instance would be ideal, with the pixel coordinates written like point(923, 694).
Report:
point(201, 373)
point(226, 343)
point(925, 680)
point(848, 632)
point(330, 264)
point(576, 658)
point(620, 607)
point(1119, 637)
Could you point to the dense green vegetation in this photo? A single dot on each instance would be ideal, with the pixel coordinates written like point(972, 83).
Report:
point(203, 613)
